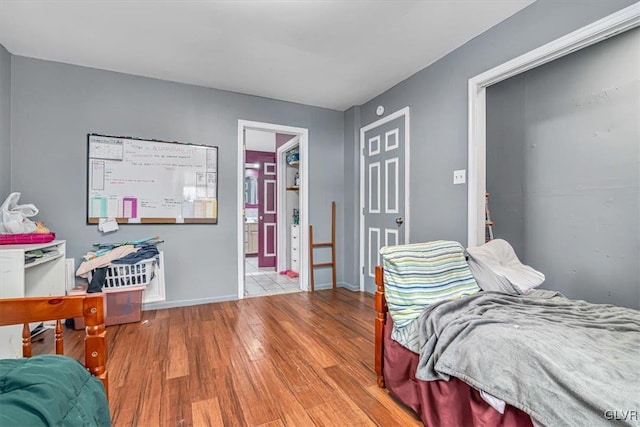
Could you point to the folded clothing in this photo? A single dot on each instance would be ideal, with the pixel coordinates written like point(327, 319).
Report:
point(104, 260)
point(143, 252)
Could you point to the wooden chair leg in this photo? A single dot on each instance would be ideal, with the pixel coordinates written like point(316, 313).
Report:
point(333, 242)
point(311, 258)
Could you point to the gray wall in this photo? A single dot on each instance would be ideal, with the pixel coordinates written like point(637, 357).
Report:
point(437, 96)
point(571, 196)
point(5, 123)
point(55, 105)
point(352, 196)
point(505, 160)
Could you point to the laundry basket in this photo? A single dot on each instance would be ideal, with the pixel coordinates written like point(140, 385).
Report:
point(121, 276)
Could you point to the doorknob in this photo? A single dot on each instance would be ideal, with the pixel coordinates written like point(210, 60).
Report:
point(399, 221)
point(260, 218)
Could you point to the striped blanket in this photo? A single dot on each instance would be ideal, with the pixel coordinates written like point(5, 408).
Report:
point(421, 274)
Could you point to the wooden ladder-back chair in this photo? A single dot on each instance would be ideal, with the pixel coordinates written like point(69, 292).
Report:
point(16, 311)
point(331, 244)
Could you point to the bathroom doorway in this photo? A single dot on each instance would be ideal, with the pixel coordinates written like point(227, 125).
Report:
point(267, 266)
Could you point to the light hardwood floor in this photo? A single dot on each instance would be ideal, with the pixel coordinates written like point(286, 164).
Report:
point(297, 359)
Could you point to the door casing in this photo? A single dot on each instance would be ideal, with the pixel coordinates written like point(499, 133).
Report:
point(303, 134)
point(616, 23)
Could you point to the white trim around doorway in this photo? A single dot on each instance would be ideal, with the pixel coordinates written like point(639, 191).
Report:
point(303, 141)
point(283, 240)
point(588, 35)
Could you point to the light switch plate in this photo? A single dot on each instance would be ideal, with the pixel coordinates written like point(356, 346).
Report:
point(460, 176)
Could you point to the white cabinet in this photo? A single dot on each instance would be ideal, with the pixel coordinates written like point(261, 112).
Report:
point(295, 248)
point(250, 238)
point(44, 276)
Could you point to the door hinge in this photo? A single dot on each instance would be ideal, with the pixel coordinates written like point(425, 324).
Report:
point(362, 211)
point(363, 269)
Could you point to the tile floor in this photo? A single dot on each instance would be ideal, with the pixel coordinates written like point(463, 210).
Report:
point(266, 281)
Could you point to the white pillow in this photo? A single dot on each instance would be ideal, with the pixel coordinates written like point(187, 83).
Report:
point(487, 279)
point(498, 257)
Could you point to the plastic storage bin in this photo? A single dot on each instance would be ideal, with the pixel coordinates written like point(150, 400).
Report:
point(121, 306)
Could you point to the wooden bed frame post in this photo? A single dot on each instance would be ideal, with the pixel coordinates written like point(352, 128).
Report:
point(381, 318)
point(95, 351)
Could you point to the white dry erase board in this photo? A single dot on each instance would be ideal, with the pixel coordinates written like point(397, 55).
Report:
point(140, 181)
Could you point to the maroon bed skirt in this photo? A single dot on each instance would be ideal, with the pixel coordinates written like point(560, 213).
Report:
point(440, 403)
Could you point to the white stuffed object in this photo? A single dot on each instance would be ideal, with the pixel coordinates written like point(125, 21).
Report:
point(14, 218)
point(497, 262)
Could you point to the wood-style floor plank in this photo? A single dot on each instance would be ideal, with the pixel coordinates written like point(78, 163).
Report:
point(207, 413)
point(297, 359)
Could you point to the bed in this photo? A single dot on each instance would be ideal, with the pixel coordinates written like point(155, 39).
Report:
point(461, 374)
point(55, 389)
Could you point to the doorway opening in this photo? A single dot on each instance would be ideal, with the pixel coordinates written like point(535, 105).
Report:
point(618, 22)
point(272, 209)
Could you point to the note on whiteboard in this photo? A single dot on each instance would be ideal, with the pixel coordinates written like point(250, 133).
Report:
point(212, 159)
point(97, 176)
point(212, 185)
point(210, 208)
point(98, 207)
point(187, 209)
point(199, 209)
point(107, 225)
point(113, 207)
point(201, 185)
point(130, 207)
point(106, 148)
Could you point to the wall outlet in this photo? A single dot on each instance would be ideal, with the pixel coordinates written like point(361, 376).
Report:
point(460, 176)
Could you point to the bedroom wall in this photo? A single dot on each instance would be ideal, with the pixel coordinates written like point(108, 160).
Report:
point(55, 105)
point(352, 196)
point(5, 123)
point(505, 160)
point(571, 195)
point(437, 96)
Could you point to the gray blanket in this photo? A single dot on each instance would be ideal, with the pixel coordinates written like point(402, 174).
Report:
point(563, 362)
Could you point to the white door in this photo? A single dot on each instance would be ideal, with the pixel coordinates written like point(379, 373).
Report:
point(384, 190)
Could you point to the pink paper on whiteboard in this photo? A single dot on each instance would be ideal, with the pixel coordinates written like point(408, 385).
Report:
point(129, 207)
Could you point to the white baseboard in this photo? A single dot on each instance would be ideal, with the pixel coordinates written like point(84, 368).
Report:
point(188, 302)
point(351, 287)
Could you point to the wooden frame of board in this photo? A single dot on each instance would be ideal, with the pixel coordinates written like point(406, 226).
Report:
point(148, 181)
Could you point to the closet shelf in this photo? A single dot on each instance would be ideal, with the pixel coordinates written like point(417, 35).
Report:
point(293, 188)
point(294, 164)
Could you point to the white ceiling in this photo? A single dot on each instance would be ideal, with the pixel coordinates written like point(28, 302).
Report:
point(327, 53)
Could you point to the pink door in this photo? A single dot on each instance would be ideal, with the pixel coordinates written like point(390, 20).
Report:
point(267, 191)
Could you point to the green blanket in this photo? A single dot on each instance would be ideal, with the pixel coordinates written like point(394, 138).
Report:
point(50, 390)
